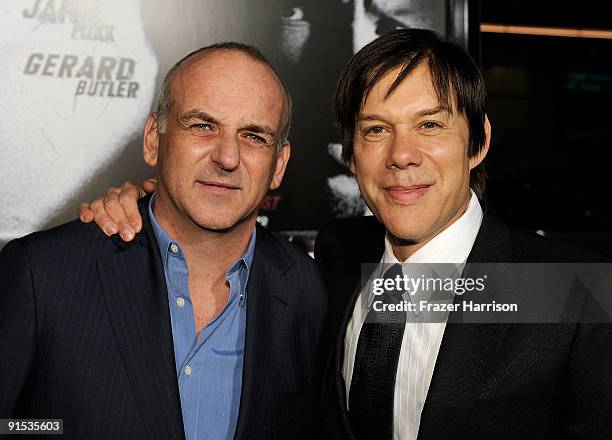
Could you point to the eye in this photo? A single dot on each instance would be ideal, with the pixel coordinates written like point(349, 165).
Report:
point(430, 125)
point(200, 127)
point(373, 133)
point(377, 129)
point(257, 141)
point(254, 138)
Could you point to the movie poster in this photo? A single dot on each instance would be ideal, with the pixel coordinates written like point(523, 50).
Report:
point(77, 80)
point(79, 77)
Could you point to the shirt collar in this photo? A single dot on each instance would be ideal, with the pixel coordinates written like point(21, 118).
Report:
point(452, 245)
point(164, 241)
point(168, 245)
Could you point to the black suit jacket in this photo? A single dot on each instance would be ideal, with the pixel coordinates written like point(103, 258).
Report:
point(490, 381)
point(85, 336)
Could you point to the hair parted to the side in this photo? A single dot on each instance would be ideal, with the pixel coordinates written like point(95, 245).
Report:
point(164, 101)
point(454, 76)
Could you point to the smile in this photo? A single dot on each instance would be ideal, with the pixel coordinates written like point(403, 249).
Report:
point(406, 195)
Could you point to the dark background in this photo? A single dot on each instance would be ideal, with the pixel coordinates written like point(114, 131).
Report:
point(549, 104)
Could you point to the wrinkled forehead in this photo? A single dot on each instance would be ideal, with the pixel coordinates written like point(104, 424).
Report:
point(434, 83)
point(226, 76)
point(231, 68)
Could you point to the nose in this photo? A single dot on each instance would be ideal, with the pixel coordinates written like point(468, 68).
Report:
point(404, 151)
point(226, 152)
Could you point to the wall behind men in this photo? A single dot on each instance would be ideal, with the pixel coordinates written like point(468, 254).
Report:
point(78, 79)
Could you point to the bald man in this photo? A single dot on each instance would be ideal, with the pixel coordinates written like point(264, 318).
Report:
point(204, 325)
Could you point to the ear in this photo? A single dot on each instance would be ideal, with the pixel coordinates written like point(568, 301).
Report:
point(282, 157)
point(351, 163)
point(150, 147)
point(478, 158)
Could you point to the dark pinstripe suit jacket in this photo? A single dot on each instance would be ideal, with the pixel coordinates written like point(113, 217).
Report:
point(490, 381)
point(85, 336)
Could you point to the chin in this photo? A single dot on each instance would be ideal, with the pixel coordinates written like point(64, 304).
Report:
point(407, 234)
point(219, 224)
point(219, 220)
point(406, 225)
point(215, 227)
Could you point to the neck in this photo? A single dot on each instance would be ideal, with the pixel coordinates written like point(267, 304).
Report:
point(216, 250)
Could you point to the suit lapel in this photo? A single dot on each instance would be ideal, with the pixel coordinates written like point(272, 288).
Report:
point(136, 298)
point(270, 303)
point(370, 251)
point(467, 350)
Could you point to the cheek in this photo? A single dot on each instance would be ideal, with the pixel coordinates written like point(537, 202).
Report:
point(451, 165)
point(366, 181)
point(172, 167)
point(258, 171)
point(452, 191)
point(368, 164)
point(177, 168)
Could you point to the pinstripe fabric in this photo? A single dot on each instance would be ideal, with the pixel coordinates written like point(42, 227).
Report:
point(85, 336)
point(280, 342)
point(76, 371)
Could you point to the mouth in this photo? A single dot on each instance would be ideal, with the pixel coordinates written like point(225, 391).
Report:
point(406, 195)
point(216, 186)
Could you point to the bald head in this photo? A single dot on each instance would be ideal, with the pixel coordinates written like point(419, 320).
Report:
point(166, 97)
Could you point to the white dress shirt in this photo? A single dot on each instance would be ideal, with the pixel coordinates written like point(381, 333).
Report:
point(421, 341)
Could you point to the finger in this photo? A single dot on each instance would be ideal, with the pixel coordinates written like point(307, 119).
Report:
point(149, 185)
point(130, 192)
point(102, 219)
point(85, 213)
point(115, 210)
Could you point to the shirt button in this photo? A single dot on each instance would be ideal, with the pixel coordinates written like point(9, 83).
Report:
point(180, 302)
point(188, 370)
point(174, 248)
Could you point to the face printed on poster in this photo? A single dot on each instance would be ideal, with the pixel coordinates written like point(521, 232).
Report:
point(77, 80)
point(372, 18)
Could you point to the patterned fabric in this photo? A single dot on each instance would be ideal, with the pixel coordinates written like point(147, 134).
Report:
point(378, 350)
point(422, 338)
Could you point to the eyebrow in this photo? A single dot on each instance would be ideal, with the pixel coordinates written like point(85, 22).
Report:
point(369, 117)
point(434, 111)
point(204, 116)
point(425, 112)
point(259, 129)
point(198, 114)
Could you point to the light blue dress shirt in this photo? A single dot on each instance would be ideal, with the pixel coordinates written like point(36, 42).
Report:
point(209, 367)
